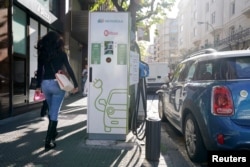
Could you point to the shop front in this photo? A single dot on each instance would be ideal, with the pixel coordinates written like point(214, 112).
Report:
point(22, 23)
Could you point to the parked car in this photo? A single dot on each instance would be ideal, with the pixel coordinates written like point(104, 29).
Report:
point(208, 101)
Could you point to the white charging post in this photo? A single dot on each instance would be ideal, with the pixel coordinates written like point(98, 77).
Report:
point(108, 62)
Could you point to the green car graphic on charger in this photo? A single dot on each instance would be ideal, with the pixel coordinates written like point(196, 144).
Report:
point(114, 107)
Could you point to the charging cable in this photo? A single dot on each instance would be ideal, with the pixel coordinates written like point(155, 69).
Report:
point(141, 95)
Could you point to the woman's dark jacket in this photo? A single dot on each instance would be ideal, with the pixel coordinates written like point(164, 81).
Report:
point(49, 65)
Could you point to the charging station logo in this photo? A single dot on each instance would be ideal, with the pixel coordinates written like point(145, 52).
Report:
point(107, 33)
point(100, 21)
point(109, 21)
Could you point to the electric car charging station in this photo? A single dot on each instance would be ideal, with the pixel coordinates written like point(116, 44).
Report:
point(109, 75)
point(112, 69)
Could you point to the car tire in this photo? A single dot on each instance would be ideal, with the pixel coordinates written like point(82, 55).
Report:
point(161, 108)
point(193, 141)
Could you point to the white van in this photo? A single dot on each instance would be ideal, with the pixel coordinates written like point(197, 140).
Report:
point(158, 75)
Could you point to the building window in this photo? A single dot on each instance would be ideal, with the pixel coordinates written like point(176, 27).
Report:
point(207, 7)
point(195, 16)
point(19, 31)
point(231, 31)
point(182, 17)
point(232, 8)
point(19, 24)
point(181, 41)
point(206, 43)
point(181, 28)
point(195, 32)
point(213, 18)
point(206, 27)
point(217, 38)
point(52, 5)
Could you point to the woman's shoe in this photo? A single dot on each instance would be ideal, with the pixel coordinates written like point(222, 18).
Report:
point(49, 145)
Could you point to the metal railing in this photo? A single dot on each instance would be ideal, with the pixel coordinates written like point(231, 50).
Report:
point(234, 38)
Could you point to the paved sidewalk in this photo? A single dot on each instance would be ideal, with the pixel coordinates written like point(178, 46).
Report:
point(22, 143)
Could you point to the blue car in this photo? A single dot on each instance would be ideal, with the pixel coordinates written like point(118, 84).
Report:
point(208, 101)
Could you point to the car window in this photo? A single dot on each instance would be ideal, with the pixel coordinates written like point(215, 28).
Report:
point(236, 68)
point(191, 70)
point(204, 71)
point(177, 73)
point(183, 72)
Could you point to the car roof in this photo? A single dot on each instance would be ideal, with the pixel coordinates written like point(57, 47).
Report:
point(218, 55)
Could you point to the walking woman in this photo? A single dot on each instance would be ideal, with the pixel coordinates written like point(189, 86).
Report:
point(51, 59)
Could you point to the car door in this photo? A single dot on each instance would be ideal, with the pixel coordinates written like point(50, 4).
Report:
point(175, 94)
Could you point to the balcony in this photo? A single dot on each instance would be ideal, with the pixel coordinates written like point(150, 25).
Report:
point(235, 38)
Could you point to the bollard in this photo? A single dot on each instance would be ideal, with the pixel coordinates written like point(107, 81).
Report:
point(153, 139)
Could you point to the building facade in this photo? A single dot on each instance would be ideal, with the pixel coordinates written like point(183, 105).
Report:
point(223, 25)
point(22, 23)
point(166, 42)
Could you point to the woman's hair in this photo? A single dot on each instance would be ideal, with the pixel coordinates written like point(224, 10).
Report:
point(50, 45)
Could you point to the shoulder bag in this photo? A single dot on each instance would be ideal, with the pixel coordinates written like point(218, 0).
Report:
point(63, 81)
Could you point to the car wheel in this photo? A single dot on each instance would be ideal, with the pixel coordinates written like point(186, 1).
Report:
point(193, 140)
point(161, 108)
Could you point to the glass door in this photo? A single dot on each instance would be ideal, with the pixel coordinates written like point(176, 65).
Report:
point(20, 58)
point(19, 78)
